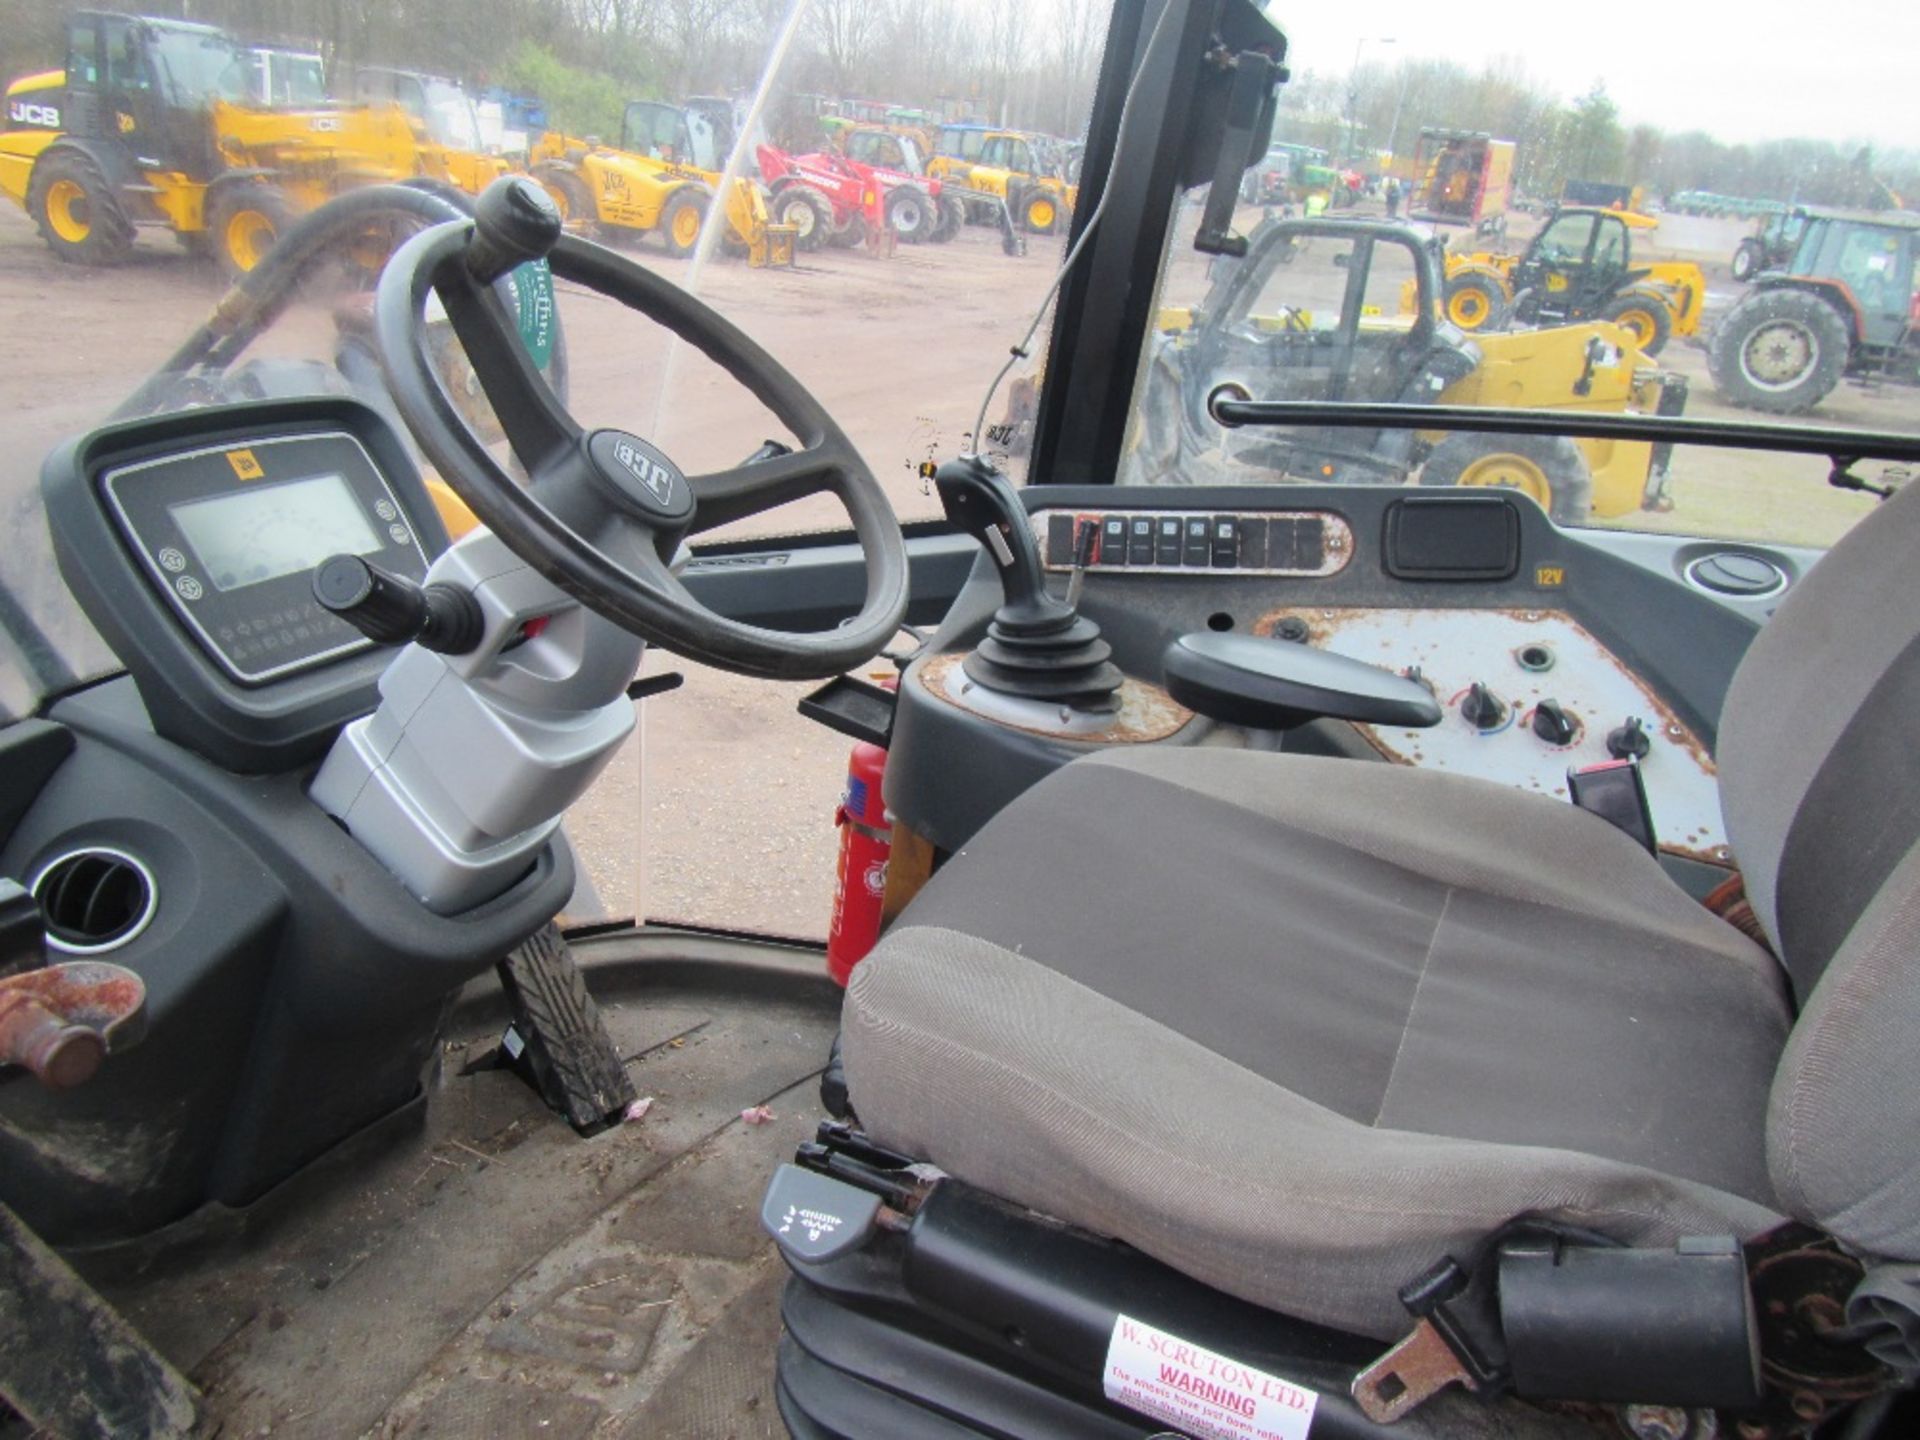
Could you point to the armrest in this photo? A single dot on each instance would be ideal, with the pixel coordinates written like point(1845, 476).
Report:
point(1278, 684)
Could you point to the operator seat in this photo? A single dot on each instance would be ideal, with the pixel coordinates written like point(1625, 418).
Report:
point(1300, 1027)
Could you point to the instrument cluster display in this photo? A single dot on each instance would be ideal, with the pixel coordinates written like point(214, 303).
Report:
point(230, 536)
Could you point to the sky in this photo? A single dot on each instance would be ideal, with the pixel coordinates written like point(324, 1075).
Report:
point(1742, 70)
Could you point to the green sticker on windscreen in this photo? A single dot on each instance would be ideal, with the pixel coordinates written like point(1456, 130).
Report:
point(533, 309)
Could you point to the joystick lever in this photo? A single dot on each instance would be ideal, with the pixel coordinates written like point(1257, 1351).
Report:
point(1037, 647)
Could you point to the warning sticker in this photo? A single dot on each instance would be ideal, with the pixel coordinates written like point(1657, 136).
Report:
point(1206, 1395)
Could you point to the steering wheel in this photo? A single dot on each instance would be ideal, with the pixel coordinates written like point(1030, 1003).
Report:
point(603, 511)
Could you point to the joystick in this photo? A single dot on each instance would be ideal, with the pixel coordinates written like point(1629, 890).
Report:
point(1037, 647)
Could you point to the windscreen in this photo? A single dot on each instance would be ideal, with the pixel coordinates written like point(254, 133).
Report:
point(196, 67)
point(1553, 225)
point(450, 116)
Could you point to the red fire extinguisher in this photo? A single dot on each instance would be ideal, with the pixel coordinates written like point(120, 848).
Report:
point(866, 840)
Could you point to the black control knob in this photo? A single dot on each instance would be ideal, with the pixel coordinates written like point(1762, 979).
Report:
point(514, 221)
point(1628, 741)
point(390, 609)
point(1483, 709)
point(1553, 724)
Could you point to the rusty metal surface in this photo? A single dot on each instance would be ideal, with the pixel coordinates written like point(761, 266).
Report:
point(61, 1021)
point(1409, 1375)
point(1453, 648)
point(1146, 712)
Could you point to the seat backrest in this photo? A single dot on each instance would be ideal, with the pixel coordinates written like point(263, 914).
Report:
point(1821, 791)
point(1818, 737)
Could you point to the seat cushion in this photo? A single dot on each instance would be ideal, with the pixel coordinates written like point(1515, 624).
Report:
point(1300, 1026)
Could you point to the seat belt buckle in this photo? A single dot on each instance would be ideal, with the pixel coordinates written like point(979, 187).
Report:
point(1445, 1347)
point(1616, 791)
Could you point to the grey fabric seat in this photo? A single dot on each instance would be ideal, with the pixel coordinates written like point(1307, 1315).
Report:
point(1300, 1026)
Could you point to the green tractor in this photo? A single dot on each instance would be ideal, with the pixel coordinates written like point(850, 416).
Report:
point(1842, 306)
point(1771, 245)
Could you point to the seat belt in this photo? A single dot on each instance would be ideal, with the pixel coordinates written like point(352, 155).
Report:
point(1788, 1330)
point(1616, 791)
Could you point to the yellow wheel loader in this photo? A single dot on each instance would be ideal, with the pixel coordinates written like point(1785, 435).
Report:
point(1579, 267)
point(149, 125)
point(661, 179)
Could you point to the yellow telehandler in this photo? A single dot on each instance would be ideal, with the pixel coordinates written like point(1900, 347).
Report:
point(661, 178)
point(1579, 267)
point(1007, 166)
point(148, 124)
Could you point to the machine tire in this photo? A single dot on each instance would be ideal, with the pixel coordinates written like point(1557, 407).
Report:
point(1747, 260)
point(680, 234)
point(1475, 302)
point(571, 195)
point(852, 235)
point(1040, 211)
point(808, 211)
point(1780, 350)
point(246, 220)
point(1549, 468)
point(77, 212)
point(1643, 316)
point(910, 214)
point(953, 219)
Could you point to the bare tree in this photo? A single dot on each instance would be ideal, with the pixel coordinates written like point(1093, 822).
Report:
point(1006, 47)
point(846, 29)
point(1077, 33)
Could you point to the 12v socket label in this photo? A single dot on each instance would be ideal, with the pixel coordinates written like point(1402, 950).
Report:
point(1208, 1396)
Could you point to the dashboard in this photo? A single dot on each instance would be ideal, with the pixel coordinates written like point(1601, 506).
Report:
point(1547, 649)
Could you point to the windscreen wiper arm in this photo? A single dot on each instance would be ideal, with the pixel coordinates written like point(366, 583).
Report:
point(1842, 449)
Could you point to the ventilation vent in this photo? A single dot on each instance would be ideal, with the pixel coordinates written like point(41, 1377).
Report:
point(94, 900)
point(1737, 573)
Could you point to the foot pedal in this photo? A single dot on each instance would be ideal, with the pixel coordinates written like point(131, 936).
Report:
point(557, 1040)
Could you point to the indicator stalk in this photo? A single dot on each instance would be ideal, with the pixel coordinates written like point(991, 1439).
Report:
point(390, 609)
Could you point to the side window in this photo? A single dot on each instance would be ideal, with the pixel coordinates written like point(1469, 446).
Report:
point(1565, 240)
point(860, 146)
point(83, 55)
point(1019, 157)
point(411, 95)
point(1390, 280)
point(1303, 287)
point(1871, 265)
point(1610, 246)
point(126, 66)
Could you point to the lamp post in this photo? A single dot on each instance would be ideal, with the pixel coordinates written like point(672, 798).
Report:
point(1393, 130)
point(1353, 90)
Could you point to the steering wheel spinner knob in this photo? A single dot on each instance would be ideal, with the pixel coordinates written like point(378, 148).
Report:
point(514, 221)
